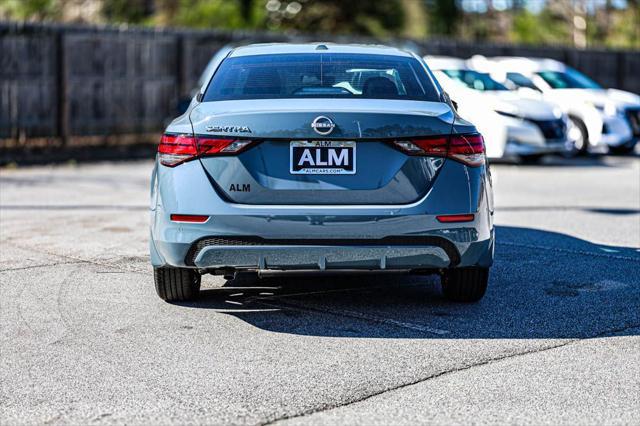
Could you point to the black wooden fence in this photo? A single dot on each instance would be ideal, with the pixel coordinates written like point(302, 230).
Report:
point(59, 81)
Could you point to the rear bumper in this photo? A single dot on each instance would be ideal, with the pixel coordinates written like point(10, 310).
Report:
point(322, 257)
point(321, 237)
point(326, 257)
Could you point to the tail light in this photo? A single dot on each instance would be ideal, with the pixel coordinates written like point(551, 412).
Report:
point(468, 149)
point(177, 149)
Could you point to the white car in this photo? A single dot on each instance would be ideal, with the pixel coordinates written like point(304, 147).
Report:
point(603, 117)
point(513, 127)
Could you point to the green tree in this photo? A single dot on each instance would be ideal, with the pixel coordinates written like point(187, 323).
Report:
point(372, 18)
point(444, 17)
point(127, 11)
point(545, 27)
point(229, 14)
point(615, 27)
point(36, 10)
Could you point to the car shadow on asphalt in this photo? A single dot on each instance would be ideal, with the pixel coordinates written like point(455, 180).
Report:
point(620, 211)
point(543, 285)
point(590, 160)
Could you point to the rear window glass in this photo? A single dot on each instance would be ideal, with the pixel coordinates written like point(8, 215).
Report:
point(321, 75)
point(520, 80)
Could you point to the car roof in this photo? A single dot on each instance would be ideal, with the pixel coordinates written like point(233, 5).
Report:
point(529, 64)
point(318, 47)
point(446, 63)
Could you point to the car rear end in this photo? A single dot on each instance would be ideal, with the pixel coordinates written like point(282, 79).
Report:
point(324, 160)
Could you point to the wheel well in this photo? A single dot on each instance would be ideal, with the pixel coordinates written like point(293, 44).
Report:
point(580, 122)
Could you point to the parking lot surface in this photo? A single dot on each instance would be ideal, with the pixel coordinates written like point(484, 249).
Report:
point(556, 340)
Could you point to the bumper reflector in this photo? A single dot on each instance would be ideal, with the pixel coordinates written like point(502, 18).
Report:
point(191, 218)
point(448, 218)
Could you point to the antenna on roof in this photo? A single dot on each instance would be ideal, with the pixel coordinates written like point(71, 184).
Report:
point(322, 47)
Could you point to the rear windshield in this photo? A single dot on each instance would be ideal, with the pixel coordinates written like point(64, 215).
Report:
point(321, 75)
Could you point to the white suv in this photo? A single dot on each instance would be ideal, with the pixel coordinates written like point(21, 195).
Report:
point(600, 117)
point(513, 127)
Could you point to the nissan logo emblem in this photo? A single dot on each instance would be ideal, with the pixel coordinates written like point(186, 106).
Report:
point(323, 125)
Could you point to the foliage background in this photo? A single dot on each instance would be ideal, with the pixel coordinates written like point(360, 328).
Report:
point(579, 23)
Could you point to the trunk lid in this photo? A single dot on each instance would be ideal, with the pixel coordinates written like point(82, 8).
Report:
point(263, 174)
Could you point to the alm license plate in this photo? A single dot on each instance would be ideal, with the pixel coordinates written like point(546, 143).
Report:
point(322, 157)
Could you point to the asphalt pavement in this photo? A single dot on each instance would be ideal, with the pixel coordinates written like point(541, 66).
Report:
point(556, 340)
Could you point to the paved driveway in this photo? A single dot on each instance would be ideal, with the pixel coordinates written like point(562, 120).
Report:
point(85, 339)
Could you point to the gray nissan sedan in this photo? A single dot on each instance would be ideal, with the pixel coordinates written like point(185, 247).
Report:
point(318, 158)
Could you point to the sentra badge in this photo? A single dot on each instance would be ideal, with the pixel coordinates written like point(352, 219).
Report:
point(229, 129)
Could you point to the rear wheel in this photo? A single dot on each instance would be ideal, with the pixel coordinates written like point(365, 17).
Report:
point(464, 284)
point(176, 284)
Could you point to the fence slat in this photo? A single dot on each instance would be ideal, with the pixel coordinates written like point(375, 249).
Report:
point(28, 86)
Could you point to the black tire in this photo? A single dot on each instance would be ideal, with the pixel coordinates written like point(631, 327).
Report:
point(176, 284)
point(531, 159)
point(465, 285)
point(623, 149)
point(581, 146)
